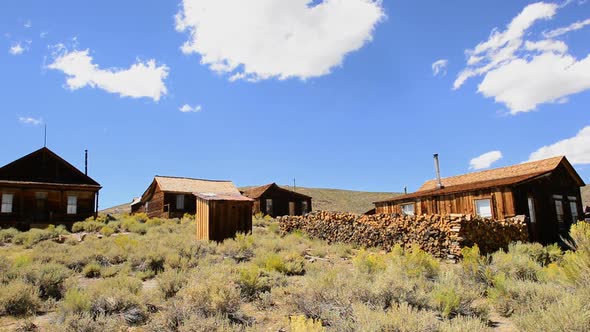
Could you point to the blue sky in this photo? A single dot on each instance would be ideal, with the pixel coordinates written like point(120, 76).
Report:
point(337, 94)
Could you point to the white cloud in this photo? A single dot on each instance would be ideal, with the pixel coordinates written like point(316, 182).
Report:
point(186, 108)
point(30, 120)
point(549, 77)
point(142, 79)
point(576, 149)
point(440, 67)
point(16, 49)
point(501, 46)
point(525, 74)
point(485, 160)
point(28, 24)
point(43, 34)
point(562, 31)
point(263, 39)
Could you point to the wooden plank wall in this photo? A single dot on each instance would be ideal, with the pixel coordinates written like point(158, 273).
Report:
point(464, 203)
point(202, 219)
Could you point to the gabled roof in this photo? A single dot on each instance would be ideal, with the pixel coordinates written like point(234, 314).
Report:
point(257, 192)
point(504, 176)
point(44, 167)
point(184, 185)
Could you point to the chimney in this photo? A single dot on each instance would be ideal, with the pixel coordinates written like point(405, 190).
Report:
point(437, 168)
point(86, 162)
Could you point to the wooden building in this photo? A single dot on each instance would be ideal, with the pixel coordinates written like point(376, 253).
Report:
point(220, 217)
point(172, 197)
point(275, 201)
point(41, 189)
point(546, 191)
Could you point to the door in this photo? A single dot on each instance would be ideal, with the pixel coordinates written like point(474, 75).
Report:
point(41, 213)
point(291, 208)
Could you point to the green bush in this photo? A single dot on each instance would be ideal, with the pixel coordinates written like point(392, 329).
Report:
point(6, 235)
point(51, 280)
point(92, 270)
point(75, 301)
point(18, 298)
point(302, 324)
point(33, 236)
point(87, 226)
point(211, 297)
point(399, 318)
point(170, 282)
point(107, 231)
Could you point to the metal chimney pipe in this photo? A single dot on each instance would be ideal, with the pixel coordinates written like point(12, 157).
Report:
point(86, 162)
point(437, 168)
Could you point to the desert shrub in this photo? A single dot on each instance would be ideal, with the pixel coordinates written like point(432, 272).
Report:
point(416, 262)
point(509, 296)
point(515, 265)
point(254, 281)
point(118, 295)
point(211, 297)
point(369, 262)
point(302, 324)
point(576, 264)
point(476, 267)
point(451, 298)
point(239, 249)
point(32, 237)
point(107, 231)
point(75, 301)
point(569, 313)
point(187, 218)
point(134, 226)
point(170, 282)
point(287, 264)
point(88, 323)
point(6, 235)
point(460, 324)
point(87, 226)
point(50, 280)
point(400, 318)
point(391, 288)
point(18, 298)
point(140, 217)
point(92, 270)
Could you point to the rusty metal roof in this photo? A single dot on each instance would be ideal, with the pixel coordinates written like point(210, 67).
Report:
point(504, 176)
point(218, 197)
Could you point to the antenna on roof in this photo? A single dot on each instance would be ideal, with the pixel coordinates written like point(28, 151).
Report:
point(85, 162)
point(294, 186)
point(405, 190)
point(45, 136)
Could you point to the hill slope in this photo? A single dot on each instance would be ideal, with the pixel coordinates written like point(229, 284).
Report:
point(323, 199)
point(586, 195)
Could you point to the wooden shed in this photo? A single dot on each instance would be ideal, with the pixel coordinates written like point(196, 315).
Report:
point(547, 191)
point(275, 201)
point(220, 217)
point(172, 197)
point(41, 188)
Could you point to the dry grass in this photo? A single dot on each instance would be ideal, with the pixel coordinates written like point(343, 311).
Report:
point(159, 278)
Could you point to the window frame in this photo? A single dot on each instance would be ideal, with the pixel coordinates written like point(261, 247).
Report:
point(72, 209)
point(532, 209)
point(2, 204)
point(404, 213)
point(477, 209)
point(304, 207)
point(573, 203)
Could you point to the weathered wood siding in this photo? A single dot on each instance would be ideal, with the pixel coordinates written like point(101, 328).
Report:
point(280, 203)
point(39, 207)
point(219, 220)
point(462, 203)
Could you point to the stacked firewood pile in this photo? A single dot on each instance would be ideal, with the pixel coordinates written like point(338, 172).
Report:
point(441, 236)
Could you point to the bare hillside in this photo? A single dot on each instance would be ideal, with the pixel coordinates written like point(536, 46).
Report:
point(586, 195)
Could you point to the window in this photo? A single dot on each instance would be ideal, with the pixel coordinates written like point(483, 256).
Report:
point(408, 209)
point(532, 215)
point(180, 202)
point(72, 204)
point(573, 208)
point(483, 208)
point(269, 206)
point(7, 203)
point(304, 207)
point(559, 210)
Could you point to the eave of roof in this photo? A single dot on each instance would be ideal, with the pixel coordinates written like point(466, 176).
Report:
point(467, 187)
point(216, 197)
point(49, 184)
point(259, 191)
